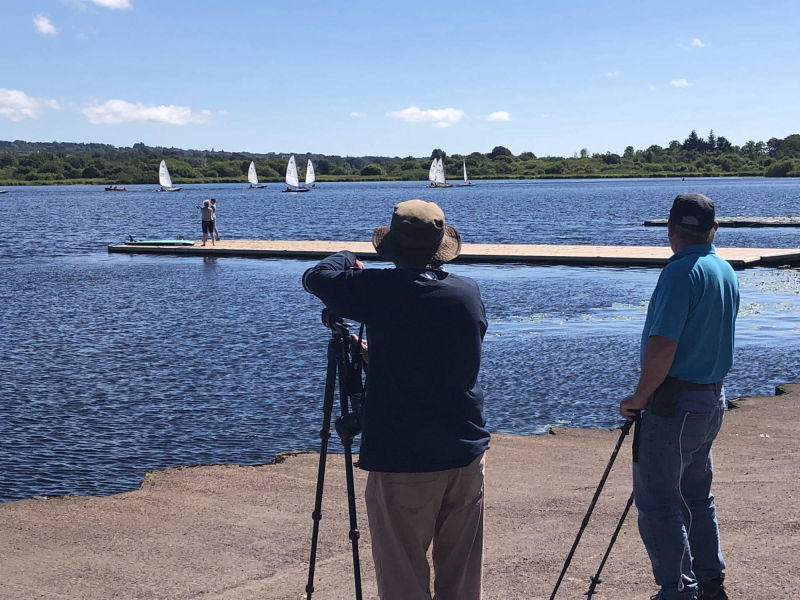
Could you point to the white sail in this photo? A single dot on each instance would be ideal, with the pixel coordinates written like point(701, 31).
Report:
point(164, 179)
point(439, 175)
point(291, 173)
point(310, 176)
point(432, 172)
point(465, 171)
point(251, 174)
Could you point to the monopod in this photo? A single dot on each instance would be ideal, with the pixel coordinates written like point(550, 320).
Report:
point(625, 429)
point(345, 368)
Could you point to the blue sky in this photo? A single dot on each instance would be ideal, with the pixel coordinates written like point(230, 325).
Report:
point(398, 78)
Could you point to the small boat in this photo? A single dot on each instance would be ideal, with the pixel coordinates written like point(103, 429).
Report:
point(310, 175)
point(252, 177)
point(159, 242)
point(436, 174)
point(292, 181)
point(164, 180)
point(466, 180)
point(3, 191)
point(115, 188)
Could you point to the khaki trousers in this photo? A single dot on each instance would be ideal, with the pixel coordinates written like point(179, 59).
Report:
point(408, 511)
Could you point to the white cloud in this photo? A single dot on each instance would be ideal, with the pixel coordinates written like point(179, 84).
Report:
point(120, 111)
point(499, 115)
point(613, 74)
point(441, 117)
point(651, 88)
point(17, 106)
point(545, 115)
point(43, 25)
point(698, 43)
point(357, 115)
point(112, 4)
point(680, 83)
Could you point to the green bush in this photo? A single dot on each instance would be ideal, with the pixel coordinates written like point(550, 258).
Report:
point(371, 169)
point(783, 168)
point(91, 172)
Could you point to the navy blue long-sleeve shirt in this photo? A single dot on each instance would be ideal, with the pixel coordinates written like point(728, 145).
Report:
point(425, 328)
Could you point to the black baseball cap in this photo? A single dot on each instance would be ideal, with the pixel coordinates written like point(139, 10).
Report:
point(693, 211)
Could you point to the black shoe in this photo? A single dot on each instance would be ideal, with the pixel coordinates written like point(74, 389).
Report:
point(712, 589)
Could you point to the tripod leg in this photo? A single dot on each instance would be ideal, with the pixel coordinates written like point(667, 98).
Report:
point(346, 436)
point(626, 427)
point(325, 435)
point(595, 581)
point(351, 505)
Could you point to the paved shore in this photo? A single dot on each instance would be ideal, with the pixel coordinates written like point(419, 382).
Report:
point(234, 533)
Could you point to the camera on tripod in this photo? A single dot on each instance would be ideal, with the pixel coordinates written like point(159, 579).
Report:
point(351, 383)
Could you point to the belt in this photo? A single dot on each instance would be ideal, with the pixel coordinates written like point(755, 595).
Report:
point(664, 400)
point(681, 384)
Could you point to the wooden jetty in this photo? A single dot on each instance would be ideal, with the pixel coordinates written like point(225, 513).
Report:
point(742, 222)
point(619, 256)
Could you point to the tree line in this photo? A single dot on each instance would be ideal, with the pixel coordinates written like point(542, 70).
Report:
point(35, 163)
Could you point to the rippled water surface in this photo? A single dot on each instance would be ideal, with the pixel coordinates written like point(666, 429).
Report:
point(115, 365)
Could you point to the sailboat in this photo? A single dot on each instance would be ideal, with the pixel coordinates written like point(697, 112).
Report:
point(310, 175)
point(253, 178)
point(164, 180)
point(292, 182)
point(466, 179)
point(432, 173)
point(436, 174)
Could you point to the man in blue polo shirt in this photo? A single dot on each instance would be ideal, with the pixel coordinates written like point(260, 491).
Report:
point(686, 351)
point(424, 435)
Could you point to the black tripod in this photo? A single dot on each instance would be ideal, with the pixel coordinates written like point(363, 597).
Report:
point(595, 579)
point(625, 429)
point(346, 367)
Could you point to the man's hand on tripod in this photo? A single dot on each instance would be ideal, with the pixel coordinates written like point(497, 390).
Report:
point(632, 406)
point(363, 350)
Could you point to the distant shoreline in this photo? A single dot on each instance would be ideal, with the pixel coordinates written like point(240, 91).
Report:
point(176, 181)
point(43, 163)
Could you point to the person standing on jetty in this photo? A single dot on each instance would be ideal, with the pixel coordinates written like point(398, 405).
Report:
point(687, 349)
point(424, 435)
point(214, 216)
point(207, 214)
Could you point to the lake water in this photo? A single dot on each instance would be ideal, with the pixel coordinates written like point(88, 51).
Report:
point(115, 365)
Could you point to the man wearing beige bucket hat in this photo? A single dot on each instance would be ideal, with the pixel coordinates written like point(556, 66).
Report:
point(424, 435)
